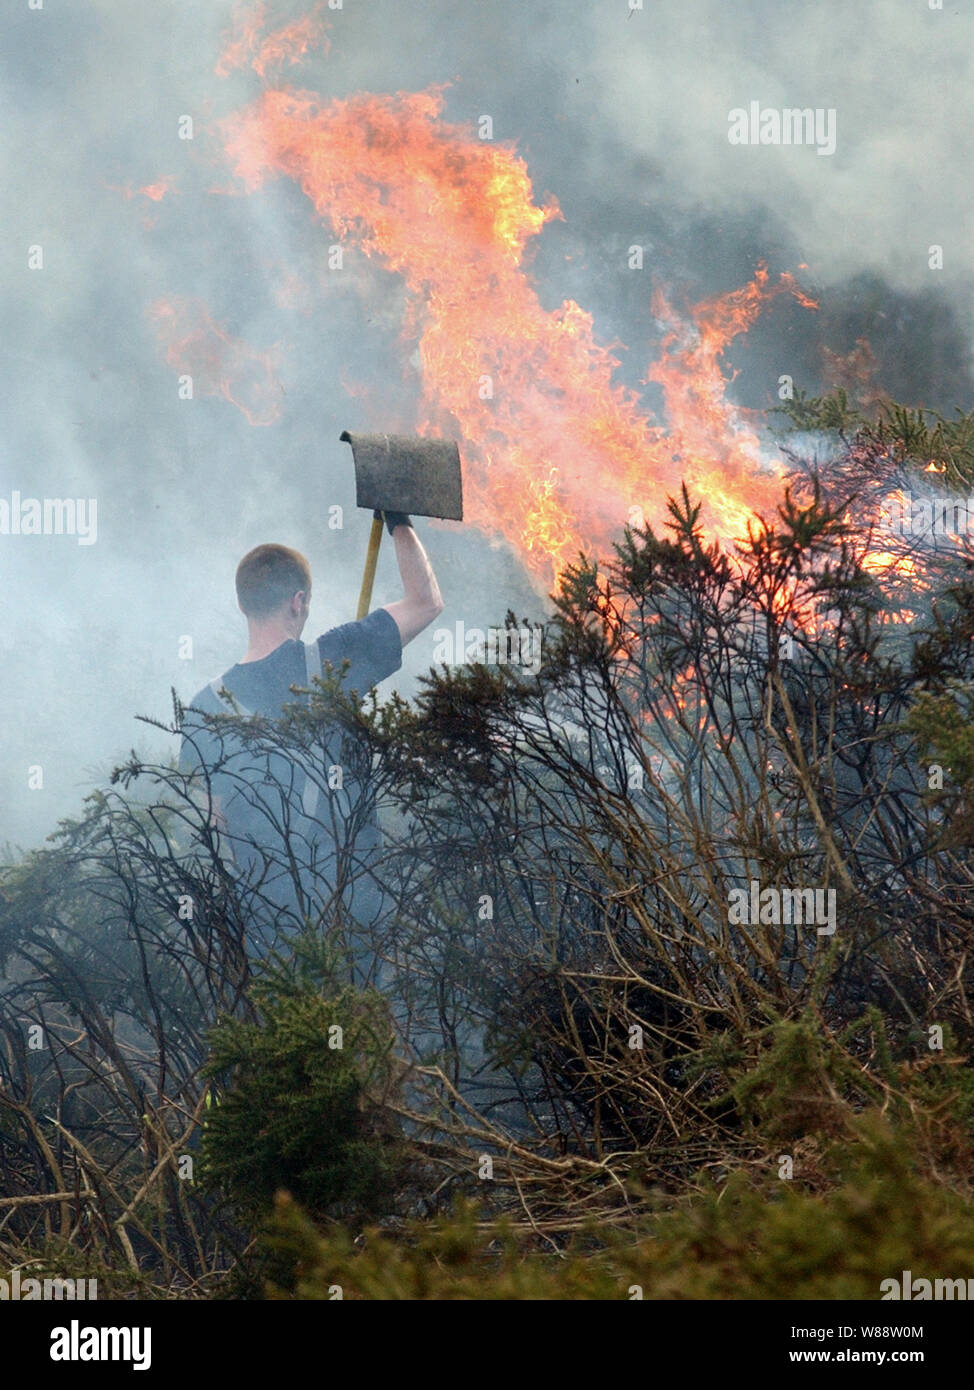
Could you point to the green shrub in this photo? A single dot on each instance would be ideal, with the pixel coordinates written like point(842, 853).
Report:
point(751, 1236)
point(301, 1092)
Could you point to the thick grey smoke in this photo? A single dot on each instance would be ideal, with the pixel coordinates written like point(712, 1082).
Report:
point(621, 114)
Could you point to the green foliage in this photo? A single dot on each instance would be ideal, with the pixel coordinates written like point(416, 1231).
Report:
point(919, 435)
point(295, 1110)
point(791, 1090)
point(829, 412)
point(836, 1198)
point(943, 723)
point(751, 1235)
point(559, 856)
point(927, 437)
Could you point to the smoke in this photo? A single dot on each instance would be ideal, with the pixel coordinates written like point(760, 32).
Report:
point(896, 77)
point(621, 114)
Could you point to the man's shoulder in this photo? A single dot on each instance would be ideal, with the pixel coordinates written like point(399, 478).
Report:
point(371, 646)
point(376, 629)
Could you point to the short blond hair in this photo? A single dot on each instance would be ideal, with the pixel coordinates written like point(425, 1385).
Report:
point(268, 576)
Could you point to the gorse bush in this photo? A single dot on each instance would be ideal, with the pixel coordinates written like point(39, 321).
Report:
point(703, 728)
point(574, 1029)
point(751, 1235)
point(301, 1094)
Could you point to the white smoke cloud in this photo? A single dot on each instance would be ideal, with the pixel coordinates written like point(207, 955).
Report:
point(900, 78)
point(612, 110)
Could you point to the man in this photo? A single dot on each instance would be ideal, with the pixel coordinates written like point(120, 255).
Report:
point(293, 838)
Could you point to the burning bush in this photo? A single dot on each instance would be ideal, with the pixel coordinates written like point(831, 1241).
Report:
point(708, 816)
point(694, 896)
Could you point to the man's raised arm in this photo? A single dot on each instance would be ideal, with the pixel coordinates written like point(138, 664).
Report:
point(422, 602)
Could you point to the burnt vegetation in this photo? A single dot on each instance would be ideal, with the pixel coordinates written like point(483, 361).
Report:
point(570, 1045)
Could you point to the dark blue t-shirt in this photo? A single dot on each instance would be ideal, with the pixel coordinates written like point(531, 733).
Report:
point(261, 792)
point(371, 647)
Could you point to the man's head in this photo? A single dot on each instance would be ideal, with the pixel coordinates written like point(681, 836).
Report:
point(274, 585)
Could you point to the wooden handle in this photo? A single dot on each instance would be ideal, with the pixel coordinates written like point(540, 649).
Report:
point(371, 560)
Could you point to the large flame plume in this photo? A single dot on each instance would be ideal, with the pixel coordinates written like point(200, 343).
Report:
point(559, 456)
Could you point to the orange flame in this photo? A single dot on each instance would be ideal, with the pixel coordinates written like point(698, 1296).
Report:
point(157, 191)
point(717, 454)
point(154, 191)
point(219, 364)
point(557, 454)
point(288, 44)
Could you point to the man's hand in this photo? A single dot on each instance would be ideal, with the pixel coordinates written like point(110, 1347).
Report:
point(392, 519)
point(422, 602)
